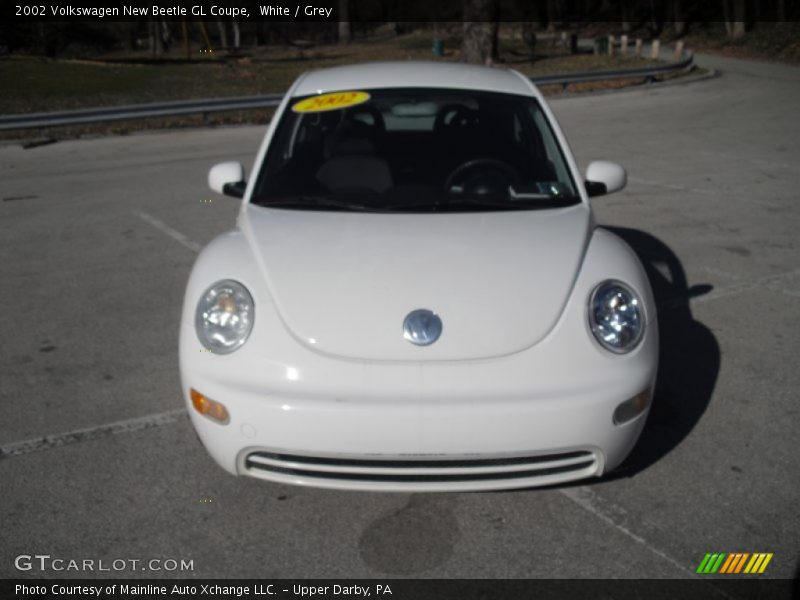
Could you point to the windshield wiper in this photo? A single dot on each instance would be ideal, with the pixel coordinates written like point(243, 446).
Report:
point(451, 202)
point(443, 203)
point(318, 202)
point(526, 202)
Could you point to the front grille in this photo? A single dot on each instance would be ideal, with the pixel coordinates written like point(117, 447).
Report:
point(424, 470)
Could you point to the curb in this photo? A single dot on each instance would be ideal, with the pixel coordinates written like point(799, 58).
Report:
point(710, 74)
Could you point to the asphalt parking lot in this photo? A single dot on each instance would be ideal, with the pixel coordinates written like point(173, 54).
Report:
point(98, 237)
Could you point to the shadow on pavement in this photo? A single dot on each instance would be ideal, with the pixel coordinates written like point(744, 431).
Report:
point(689, 355)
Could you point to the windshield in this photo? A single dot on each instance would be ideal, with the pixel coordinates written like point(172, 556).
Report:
point(414, 150)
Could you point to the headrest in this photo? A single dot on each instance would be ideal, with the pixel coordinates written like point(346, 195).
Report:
point(350, 138)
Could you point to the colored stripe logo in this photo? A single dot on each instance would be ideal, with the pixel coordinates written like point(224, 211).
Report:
point(734, 563)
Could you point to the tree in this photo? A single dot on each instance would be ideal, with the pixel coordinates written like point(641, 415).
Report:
point(552, 10)
point(678, 22)
point(237, 34)
point(734, 26)
point(156, 42)
point(480, 30)
point(529, 38)
point(345, 31)
point(223, 33)
point(625, 13)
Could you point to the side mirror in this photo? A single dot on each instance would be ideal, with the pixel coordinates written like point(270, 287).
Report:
point(228, 178)
point(603, 177)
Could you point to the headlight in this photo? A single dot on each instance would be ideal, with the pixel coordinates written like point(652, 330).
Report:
point(224, 316)
point(616, 317)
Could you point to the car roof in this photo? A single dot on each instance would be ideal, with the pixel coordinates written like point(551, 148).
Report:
point(404, 74)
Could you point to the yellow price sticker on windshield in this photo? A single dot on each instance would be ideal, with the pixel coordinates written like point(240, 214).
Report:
point(332, 101)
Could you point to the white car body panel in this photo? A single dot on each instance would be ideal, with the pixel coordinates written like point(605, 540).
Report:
point(326, 379)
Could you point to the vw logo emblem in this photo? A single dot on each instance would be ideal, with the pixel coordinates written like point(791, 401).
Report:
point(422, 327)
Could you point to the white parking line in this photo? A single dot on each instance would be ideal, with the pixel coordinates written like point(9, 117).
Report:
point(760, 162)
point(591, 502)
point(678, 188)
point(173, 233)
point(127, 426)
point(92, 433)
point(587, 499)
point(771, 282)
point(721, 273)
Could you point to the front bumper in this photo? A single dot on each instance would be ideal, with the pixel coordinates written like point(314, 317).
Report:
point(434, 444)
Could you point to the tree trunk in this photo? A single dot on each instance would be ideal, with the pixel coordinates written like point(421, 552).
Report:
point(186, 45)
point(237, 35)
point(551, 15)
point(204, 33)
point(478, 31)
point(736, 19)
point(726, 16)
point(625, 11)
point(739, 9)
point(151, 40)
point(677, 17)
point(782, 10)
point(494, 53)
point(345, 31)
point(260, 35)
point(47, 40)
point(156, 41)
point(131, 31)
point(223, 34)
point(476, 47)
point(166, 36)
point(529, 38)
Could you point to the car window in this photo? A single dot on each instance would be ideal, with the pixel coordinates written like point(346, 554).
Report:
point(414, 150)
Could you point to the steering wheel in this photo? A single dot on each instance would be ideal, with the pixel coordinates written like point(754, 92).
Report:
point(462, 117)
point(482, 166)
point(378, 124)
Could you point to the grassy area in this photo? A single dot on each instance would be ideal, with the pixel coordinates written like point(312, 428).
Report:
point(764, 41)
point(40, 84)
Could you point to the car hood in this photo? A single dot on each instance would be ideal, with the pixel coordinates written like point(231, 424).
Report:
point(343, 282)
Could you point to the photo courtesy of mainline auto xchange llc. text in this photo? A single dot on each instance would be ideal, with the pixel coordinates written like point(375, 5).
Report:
point(194, 590)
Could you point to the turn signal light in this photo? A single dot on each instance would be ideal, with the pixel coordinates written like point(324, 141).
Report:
point(208, 407)
point(632, 408)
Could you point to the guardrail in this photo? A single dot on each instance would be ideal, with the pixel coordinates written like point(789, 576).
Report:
point(648, 73)
point(136, 111)
point(209, 105)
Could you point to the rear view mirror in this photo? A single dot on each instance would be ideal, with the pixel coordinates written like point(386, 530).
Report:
point(604, 177)
point(228, 178)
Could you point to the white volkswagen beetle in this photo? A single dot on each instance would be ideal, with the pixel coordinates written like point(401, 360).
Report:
point(416, 296)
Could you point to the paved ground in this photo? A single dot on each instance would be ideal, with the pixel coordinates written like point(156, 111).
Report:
point(98, 239)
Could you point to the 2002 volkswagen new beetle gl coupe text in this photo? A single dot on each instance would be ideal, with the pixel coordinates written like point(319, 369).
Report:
point(416, 295)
